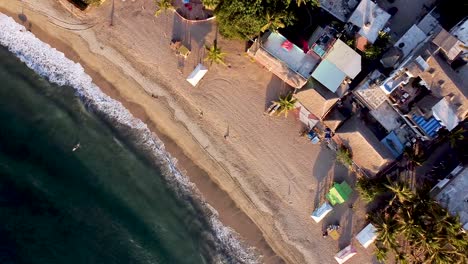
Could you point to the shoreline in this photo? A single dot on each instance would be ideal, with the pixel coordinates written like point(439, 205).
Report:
point(210, 190)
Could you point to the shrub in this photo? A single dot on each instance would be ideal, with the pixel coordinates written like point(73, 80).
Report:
point(344, 156)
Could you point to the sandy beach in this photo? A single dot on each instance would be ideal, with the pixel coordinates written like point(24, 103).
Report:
point(255, 170)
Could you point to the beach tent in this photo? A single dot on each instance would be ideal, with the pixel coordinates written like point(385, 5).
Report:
point(339, 193)
point(367, 235)
point(321, 212)
point(197, 74)
point(345, 254)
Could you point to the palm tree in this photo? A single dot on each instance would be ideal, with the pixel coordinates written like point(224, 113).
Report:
point(211, 4)
point(401, 192)
point(416, 156)
point(387, 228)
point(314, 3)
point(214, 54)
point(372, 52)
point(285, 104)
point(369, 188)
point(163, 6)
point(381, 254)
point(455, 136)
point(274, 22)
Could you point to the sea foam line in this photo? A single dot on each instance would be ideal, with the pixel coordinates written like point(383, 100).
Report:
point(53, 65)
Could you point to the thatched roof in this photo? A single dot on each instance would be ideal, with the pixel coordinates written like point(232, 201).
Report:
point(317, 99)
point(367, 151)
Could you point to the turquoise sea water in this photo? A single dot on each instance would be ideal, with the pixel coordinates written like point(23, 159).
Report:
point(103, 203)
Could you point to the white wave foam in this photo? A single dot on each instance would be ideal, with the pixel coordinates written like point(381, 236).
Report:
point(52, 64)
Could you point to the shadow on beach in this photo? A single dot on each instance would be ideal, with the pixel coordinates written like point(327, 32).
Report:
point(193, 35)
point(276, 88)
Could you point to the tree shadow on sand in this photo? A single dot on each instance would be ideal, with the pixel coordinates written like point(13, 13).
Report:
point(276, 88)
point(191, 34)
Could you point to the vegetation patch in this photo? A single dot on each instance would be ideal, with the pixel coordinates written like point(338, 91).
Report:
point(285, 104)
point(343, 155)
point(245, 19)
point(412, 226)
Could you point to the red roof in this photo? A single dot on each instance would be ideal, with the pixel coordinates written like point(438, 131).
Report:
point(361, 42)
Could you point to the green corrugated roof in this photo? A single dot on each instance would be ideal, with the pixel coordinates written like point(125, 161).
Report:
point(339, 193)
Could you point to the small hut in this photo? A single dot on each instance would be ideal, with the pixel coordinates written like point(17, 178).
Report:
point(367, 235)
point(321, 212)
point(339, 193)
point(345, 254)
point(197, 74)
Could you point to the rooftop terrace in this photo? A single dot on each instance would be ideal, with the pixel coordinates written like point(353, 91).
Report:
point(370, 18)
point(298, 61)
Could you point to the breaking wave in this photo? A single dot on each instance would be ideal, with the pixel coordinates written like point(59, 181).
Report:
point(53, 65)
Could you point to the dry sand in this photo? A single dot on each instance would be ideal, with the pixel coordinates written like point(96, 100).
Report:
point(274, 176)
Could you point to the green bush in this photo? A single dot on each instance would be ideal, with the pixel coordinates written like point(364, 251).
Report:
point(344, 156)
point(369, 189)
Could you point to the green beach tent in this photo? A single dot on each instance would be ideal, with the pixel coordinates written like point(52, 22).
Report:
point(339, 193)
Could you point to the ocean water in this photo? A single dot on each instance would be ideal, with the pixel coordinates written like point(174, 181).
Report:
point(117, 199)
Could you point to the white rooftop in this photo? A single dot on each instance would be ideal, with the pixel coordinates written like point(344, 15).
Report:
point(295, 58)
point(345, 58)
point(411, 39)
point(197, 74)
point(338, 8)
point(443, 112)
point(321, 212)
point(370, 18)
point(367, 235)
point(329, 75)
point(460, 31)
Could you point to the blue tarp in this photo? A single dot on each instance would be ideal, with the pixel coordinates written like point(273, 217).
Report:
point(429, 126)
point(393, 143)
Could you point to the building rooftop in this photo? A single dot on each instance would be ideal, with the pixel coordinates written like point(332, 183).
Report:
point(370, 18)
point(444, 112)
point(279, 68)
point(317, 99)
point(460, 31)
point(393, 144)
point(451, 193)
point(386, 116)
point(442, 81)
point(428, 24)
point(391, 57)
point(410, 40)
point(394, 81)
point(345, 58)
point(369, 92)
point(334, 119)
point(298, 61)
point(450, 45)
point(367, 151)
point(339, 8)
point(329, 75)
point(322, 40)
